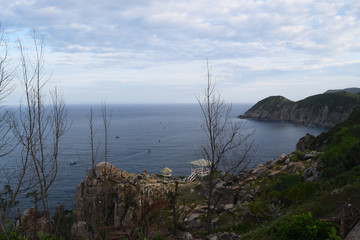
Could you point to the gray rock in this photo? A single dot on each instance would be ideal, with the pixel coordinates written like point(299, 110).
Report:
point(78, 230)
point(273, 174)
point(242, 193)
point(310, 179)
point(228, 207)
point(252, 192)
point(223, 236)
point(212, 237)
point(309, 172)
point(181, 218)
point(305, 142)
point(193, 220)
point(219, 185)
point(257, 189)
point(259, 171)
point(187, 236)
point(308, 156)
point(247, 198)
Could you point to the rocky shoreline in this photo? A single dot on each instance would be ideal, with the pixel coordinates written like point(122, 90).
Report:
point(129, 190)
point(121, 200)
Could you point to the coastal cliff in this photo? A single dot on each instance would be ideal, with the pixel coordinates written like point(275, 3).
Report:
point(325, 110)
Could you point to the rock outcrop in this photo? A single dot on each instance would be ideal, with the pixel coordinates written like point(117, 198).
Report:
point(118, 198)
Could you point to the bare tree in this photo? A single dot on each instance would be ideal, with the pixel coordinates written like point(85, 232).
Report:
point(106, 122)
point(10, 185)
point(94, 148)
point(227, 147)
point(41, 127)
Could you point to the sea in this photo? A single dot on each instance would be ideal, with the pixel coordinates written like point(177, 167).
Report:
point(153, 136)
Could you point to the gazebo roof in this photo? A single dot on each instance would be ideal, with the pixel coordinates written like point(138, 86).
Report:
point(166, 170)
point(201, 162)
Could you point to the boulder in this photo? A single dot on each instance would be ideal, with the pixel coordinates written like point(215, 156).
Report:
point(259, 171)
point(118, 196)
point(309, 172)
point(187, 236)
point(247, 198)
point(228, 207)
point(78, 230)
point(193, 220)
point(308, 156)
point(33, 221)
point(273, 174)
point(107, 170)
point(305, 143)
point(223, 236)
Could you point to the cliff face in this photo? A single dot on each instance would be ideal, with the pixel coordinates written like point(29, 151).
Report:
point(324, 110)
point(117, 198)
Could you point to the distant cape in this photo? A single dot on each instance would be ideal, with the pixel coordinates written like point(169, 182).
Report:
point(325, 110)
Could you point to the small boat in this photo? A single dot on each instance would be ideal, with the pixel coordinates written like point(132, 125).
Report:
point(117, 137)
point(73, 163)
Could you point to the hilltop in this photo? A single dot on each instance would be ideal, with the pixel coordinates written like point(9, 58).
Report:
point(325, 110)
point(349, 90)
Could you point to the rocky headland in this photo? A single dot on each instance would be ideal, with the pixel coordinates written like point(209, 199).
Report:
point(325, 110)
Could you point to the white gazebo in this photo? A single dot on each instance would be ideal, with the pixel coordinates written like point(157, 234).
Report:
point(201, 167)
point(166, 172)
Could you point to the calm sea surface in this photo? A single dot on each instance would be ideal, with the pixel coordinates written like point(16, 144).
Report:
point(173, 133)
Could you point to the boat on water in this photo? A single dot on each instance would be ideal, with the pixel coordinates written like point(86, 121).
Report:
point(73, 163)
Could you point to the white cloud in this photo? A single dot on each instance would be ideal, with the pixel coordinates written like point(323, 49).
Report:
point(162, 40)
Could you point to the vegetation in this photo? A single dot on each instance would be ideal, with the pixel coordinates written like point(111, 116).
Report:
point(327, 109)
point(271, 104)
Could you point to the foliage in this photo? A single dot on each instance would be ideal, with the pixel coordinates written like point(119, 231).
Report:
point(297, 156)
point(343, 152)
point(44, 236)
point(303, 227)
point(285, 182)
point(63, 222)
point(271, 104)
point(332, 100)
point(9, 232)
point(5, 195)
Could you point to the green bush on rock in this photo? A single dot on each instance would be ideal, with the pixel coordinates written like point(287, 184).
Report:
point(303, 227)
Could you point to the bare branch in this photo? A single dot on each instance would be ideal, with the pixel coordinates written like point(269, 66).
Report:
point(226, 146)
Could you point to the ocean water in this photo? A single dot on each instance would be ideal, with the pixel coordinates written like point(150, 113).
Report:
point(152, 137)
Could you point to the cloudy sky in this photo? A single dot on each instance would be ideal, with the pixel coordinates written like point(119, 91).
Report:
point(155, 51)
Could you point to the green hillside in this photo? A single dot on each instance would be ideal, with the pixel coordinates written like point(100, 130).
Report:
point(326, 110)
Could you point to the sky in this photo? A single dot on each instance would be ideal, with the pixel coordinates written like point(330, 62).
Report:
point(156, 51)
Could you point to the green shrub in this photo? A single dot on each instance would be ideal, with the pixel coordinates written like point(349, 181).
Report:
point(297, 156)
point(285, 182)
point(343, 153)
point(299, 193)
point(303, 227)
point(10, 233)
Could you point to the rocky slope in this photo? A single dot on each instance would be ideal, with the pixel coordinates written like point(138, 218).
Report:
point(324, 110)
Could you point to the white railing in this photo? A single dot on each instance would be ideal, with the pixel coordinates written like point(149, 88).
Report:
point(192, 176)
